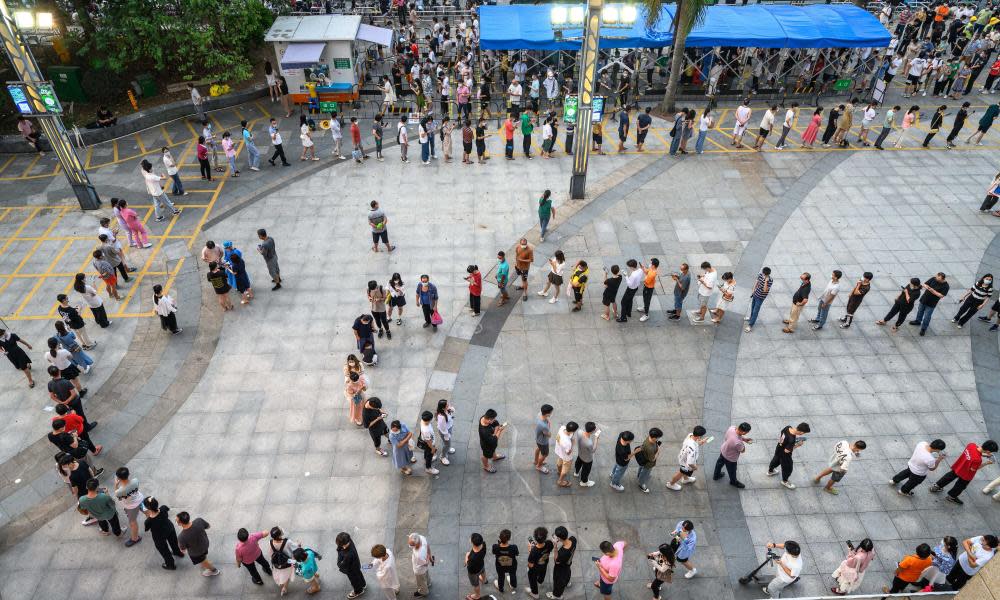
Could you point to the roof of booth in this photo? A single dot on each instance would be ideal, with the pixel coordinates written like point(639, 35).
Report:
point(528, 27)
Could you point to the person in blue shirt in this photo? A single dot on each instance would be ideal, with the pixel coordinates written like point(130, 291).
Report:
point(686, 540)
point(623, 127)
point(427, 299)
point(254, 153)
point(228, 251)
point(503, 276)
point(305, 565)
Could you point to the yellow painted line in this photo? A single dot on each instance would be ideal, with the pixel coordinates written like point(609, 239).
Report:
point(6, 212)
point(69, 285)
point(7, 164)
point(262, 109)
point(47, 317)
point(114, 144)
point(721, 147)
point(142, 147)
point(34, 213)
point(173, 275)
point(31, 166)
point(166, 135)
point(41, 280)
point(204, 216)
point(67, 274)
point(145, 268)
point(65, 238)
point(34, 247)
point(194, 131)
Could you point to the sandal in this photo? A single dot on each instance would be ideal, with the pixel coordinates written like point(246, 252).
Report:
point(490, 470)
point(499, 457)
point(31, 385)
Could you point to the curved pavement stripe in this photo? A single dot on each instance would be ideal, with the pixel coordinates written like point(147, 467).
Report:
point(986, 353)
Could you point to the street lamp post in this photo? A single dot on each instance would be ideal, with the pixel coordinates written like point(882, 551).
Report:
point(591, 21)
point(49, 121)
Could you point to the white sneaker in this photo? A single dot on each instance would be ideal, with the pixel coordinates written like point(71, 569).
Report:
point(643, 318)
point(689, 480)
point(788, 484)
point(618, 488)
point(432, 471)
point(690, 573)
point(747, 329)
point(674, 486)
point(445, 461)
point(746, 318)
point(587, 483)
point(451, 450)
point(86, 369)
point(987, 490)
point(543, 294)
point(553, 300)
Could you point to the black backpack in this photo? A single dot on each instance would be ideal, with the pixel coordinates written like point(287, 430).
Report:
point(279, 560)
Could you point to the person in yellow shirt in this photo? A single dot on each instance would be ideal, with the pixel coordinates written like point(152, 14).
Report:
point(648, 286)
point(579, 283)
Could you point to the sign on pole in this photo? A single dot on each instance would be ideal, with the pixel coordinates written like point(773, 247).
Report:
point(570, 104)
point(597, 107)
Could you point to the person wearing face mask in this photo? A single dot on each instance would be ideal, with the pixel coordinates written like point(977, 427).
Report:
point(843, 453)
point(974, 299)
point(963, 470)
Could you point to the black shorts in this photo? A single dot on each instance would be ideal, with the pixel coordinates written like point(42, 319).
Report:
point(70, 372)
point(222, 291)
point(521, 273)
point(996, 306)
point(397, 301)
point(607, 299)
point(640, 137)
point(467, 148)
point(622, 135)
point(380, 235)
point(683, 560)
point(913, 79)
point(598, 139)
point(489, 451)
point(686, 471)
point(543, 449)
point(197, 560)
point(480, 148)
point(888, 77)
point(578, 294)
point(983, 129)
point(764, 132)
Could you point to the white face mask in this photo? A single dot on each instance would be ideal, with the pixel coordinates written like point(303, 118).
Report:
point(988, 281)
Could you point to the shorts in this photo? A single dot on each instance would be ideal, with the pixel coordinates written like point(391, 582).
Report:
point(489, 451)
point(132, 514)
point(606, 587)
point(222, 291)
point(543, 449)
point(110, 280)
point(467, 148)
point(913, 79)
point(984, 128)
point(480, 148)
point(607, 299)
point(578, 295)
point(622, 135)
point(739, 129)
point(197, 560)
point(640, 138)
point(683, 560)
point(380, 235)
point(397, 301)
point(764, 132)
point(702, 300)
point(888, 77)
point(70, 372)
point(521, 273)
point(474, 578)
point(555, 279)
point(836, 476)
point(996, 306)
point(686, 471)
point(598, 139)
point(563, 466)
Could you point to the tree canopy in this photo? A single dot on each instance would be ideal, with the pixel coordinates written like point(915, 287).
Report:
point(191, 38)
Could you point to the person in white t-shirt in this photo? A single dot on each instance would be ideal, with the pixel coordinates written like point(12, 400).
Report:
point(743, 113)
point(564, 452)
point(843, 453)
point(915, 71)
point(826, 299)
point(766, 125)
point(706, 283)
point(866, 122)
point(786, 569)
point(978, 551)
point(926, 458)
point(687, 459)
point(786, 125)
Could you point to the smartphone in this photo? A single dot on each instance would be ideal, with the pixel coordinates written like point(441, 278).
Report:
point(366, 567)
point(594, 558)
point(710, 439)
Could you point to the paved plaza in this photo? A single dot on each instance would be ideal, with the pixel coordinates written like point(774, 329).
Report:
point(242, 419)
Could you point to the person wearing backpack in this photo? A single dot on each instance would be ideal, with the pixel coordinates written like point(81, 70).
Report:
point(281, 555)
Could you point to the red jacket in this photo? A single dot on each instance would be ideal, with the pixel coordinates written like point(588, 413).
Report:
point(968, 463)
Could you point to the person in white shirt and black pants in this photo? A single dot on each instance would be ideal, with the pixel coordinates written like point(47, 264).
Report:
point(632, 283)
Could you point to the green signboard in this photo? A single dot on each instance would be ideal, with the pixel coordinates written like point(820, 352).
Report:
point(597, 108)
point(842, 84)
point(48, 96)
point(342, 63)
point(570, 104)
point(328, 107)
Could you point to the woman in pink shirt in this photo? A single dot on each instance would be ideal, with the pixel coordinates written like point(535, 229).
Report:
point(248, 552)
point(909, 120)
point(230, 148)
point(610, 566)
point(137, 231)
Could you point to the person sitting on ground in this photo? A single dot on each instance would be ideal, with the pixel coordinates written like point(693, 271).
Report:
point(106, 118)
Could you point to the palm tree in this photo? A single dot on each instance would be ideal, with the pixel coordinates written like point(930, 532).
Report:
point(688, 14)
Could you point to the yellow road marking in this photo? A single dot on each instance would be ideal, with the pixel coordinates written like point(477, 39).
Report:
point(142, 147)
point(173, 275)
point(114, 144)
point(67, 274)
point(166, 135)
point(41, 280)
point(204, 216)
point(31, 165)
point(24, 224)
point(6, 212)
point(7, 164)
point(34, 247)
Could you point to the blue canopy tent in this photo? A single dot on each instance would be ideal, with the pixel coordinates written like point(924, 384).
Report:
point(528, 27)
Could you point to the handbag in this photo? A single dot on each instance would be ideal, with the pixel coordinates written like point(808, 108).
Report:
point(436, 318)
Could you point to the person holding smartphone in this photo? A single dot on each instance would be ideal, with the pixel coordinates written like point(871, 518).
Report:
point(539, 550)
point(609, 566)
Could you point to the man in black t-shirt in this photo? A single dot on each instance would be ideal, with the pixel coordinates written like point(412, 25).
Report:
point(787, 442)
point(623, 454)
point(363, 331)
point(489, 437)
point(799, 300)
point(935, 288)
point(61, 391)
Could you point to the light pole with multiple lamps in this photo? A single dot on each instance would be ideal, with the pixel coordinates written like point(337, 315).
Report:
point(590, 21)
point(33, 96)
